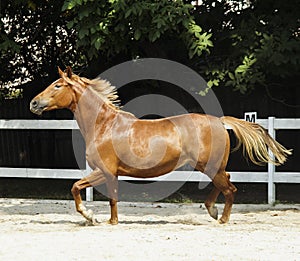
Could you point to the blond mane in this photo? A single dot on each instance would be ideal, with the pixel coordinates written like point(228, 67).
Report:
point(102, 88)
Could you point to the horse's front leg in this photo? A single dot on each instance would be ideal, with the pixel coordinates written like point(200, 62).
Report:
point(94, 179)
point(112, 188)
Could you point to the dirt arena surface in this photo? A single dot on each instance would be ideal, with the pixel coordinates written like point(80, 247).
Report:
point(52, 230)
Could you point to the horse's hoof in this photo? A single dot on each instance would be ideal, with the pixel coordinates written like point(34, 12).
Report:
point(94, 221)
point(89, 215)
point(112, 221)
point(214, 212)
point(222, 221)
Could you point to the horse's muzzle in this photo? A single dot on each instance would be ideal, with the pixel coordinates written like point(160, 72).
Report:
point(37, 107)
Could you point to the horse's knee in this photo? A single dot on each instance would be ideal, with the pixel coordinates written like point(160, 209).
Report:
point(75, 189)
point(228, 192)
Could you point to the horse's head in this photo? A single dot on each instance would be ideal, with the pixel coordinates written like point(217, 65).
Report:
point(57, 95)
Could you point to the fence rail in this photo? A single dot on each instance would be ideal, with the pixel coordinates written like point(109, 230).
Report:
point(271, 176)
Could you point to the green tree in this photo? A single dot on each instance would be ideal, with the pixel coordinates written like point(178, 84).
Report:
point(256, 43)
point(134, 27)
point(34, 39)
point(36, 36)
point(240, 44)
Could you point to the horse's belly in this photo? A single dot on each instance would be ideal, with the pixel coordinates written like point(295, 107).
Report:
point(155, 171)
point(153, 167)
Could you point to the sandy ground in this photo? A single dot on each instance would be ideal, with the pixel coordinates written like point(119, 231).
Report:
point(52, 230)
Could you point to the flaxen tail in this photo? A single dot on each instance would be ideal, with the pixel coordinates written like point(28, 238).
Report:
point(256, 141)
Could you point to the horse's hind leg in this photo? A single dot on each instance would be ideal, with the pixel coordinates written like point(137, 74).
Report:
point(222, 183)
point(112, 188)
point(95, 178)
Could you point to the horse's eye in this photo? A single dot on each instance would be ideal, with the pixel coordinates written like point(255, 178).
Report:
point(57, 86)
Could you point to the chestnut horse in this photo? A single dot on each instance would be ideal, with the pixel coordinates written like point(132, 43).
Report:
point(119, 144)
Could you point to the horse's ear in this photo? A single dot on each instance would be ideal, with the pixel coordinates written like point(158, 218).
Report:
point(69, 72)
point(60, 72)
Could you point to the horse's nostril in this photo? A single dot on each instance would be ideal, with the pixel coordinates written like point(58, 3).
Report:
point(34, 104)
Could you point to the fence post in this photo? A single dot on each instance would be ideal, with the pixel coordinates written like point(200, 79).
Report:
point(271, 167)
point(89, 194)
point(88, 191)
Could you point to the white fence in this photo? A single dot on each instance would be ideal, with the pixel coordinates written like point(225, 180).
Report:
point(271, 176)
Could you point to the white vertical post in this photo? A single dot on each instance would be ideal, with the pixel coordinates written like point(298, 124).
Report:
point(88, 191)
point(271, 167)
point(89, 194)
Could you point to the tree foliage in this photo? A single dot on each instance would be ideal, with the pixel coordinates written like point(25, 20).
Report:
point(113, 27)
point(239, 44)
point(34, 39)
point(256, 43)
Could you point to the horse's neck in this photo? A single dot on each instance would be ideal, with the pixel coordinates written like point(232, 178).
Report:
point(92, 110)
